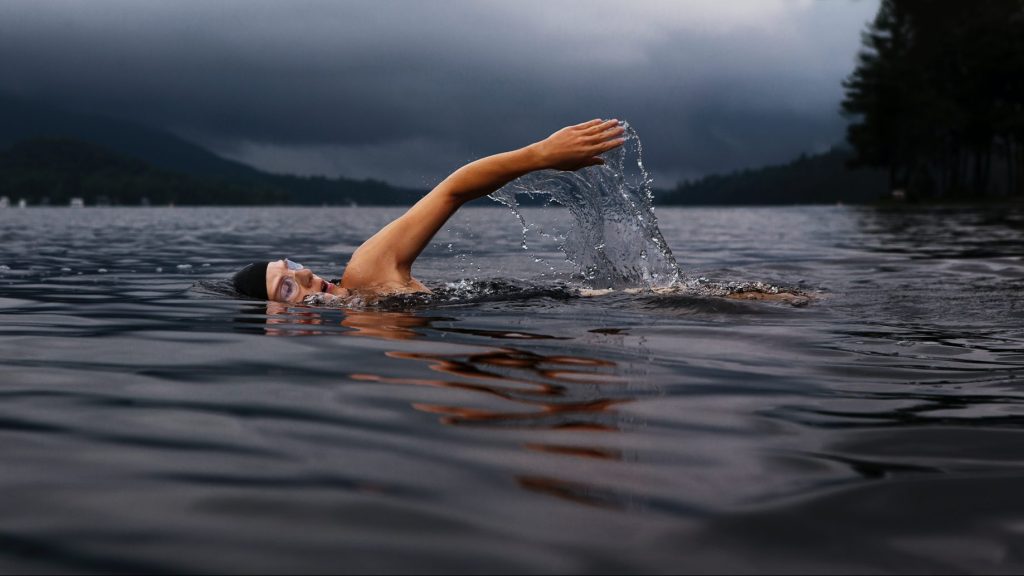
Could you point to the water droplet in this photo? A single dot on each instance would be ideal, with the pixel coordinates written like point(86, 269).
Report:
point(159, 269)
point(184, 266)
point(102, 270)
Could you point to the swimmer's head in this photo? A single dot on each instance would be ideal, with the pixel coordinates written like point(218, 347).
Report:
point(252, 280)
point(282, 281)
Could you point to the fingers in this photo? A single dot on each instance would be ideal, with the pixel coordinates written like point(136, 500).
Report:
point(600, 126)
point(608, 145)
point(597, 125)
point(612, 132)
point(589, 123)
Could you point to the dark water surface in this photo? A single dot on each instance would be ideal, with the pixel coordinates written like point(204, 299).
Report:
point(148, 423)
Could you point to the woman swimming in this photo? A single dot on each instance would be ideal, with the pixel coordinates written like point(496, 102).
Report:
point(383, 264)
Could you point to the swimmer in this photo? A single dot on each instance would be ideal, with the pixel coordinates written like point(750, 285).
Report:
point(383, 264)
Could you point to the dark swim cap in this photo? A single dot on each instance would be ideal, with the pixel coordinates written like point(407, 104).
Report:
point(252, 280)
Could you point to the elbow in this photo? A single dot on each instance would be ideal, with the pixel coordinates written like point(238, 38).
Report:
point(451, 194)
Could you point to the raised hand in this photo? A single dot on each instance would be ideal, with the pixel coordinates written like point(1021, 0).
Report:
point(579, 146)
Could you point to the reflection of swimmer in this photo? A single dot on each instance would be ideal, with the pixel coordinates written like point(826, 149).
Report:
point(534, 391)
point(541, 383)
point(571, 401)
point(383, 264)
point(284, 321)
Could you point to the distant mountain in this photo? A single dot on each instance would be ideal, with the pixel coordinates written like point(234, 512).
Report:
point(817, 179)
point(180, 166)
point(55, 170)
point(21, 120)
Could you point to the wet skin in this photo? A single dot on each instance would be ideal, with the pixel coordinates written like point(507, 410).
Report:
point(292, 286)
point(383, 264)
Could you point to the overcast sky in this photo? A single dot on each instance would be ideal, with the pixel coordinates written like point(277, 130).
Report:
point(406, 91)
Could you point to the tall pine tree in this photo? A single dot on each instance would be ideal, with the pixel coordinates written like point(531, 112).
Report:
point(937, 97)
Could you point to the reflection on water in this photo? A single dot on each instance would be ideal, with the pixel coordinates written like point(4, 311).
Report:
point(551, 392)
point(150, 424)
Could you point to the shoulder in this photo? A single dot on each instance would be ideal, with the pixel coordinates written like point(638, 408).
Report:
point(379, 276)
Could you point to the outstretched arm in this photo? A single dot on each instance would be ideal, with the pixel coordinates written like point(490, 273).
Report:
point(387, 257)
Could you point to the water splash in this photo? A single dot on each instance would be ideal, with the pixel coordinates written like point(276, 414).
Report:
point(614, 241)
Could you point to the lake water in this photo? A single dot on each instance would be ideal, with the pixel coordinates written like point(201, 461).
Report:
point(149, 423)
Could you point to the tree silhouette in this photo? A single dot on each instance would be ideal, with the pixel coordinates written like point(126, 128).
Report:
point(937, 97)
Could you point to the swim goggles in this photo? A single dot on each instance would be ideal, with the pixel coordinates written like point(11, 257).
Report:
point(288, 288)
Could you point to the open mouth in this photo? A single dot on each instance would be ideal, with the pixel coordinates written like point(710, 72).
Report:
point(324, 285)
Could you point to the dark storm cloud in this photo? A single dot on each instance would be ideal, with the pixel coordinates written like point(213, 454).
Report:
point(407, 90)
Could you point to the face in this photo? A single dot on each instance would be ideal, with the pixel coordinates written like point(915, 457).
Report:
point(290, 282)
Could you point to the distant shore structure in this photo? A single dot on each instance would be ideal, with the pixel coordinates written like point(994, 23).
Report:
point(22, 203)
point(77, 203)
point(4, 202)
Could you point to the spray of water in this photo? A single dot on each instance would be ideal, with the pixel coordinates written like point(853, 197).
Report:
point(614, 240)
